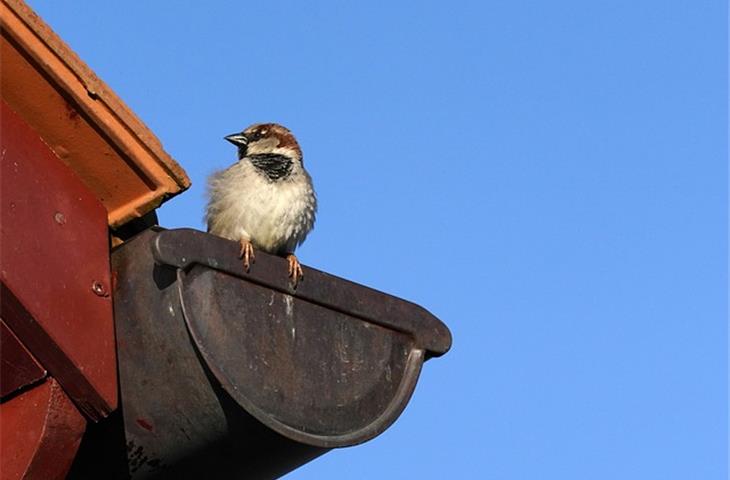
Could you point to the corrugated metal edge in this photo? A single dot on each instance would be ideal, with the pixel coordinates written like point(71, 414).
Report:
point(107, 110)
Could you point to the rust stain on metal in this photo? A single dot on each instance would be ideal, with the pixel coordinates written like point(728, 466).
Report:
point(145, 424)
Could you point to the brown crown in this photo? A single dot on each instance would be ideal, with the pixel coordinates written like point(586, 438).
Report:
point(268, 130)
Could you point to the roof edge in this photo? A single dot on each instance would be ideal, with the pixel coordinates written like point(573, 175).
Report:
point(110, 114)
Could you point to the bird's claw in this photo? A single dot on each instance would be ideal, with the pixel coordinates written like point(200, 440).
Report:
point(247, 254)
point(295, 269)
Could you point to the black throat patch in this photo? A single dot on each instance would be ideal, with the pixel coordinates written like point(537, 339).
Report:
point(273, 165)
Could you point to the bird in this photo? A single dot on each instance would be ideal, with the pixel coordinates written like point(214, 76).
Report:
point(266, 200)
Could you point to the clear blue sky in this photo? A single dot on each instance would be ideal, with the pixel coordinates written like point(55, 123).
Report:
point(549, 178)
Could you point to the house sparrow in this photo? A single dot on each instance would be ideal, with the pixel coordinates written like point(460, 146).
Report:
point(265, 200)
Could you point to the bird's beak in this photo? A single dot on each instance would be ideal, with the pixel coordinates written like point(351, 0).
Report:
point(238, 139)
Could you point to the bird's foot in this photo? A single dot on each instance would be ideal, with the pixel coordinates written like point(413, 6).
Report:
point(295, 269)
point(247, 254)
